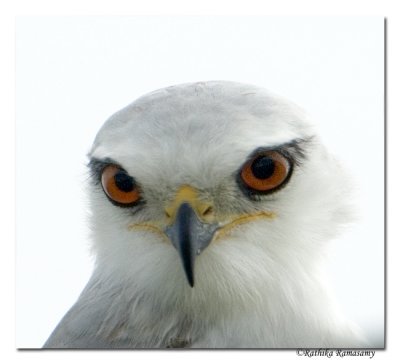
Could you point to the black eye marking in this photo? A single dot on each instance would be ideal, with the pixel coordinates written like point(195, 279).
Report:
point(263, 166)
point(96, 167)
point(123, 182)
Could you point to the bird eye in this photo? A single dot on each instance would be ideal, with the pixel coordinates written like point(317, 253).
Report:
point(119, 186)
point(266, 172)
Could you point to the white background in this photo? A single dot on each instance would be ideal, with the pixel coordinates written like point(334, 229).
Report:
point(72, 73)
point(8, 9)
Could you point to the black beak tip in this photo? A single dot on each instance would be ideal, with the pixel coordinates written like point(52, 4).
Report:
point(189, 276)
point(189, 236)
point(191, 283)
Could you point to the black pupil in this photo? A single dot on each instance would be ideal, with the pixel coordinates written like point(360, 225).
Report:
point(124, 182)
point(263, 167)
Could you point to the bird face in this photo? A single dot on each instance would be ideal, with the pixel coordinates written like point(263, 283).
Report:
point(222, 177)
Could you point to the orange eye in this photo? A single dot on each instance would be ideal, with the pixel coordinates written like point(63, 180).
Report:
point(119, 186)
point(266, 172)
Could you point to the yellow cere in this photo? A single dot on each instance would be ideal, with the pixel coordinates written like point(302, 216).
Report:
point(190, 195)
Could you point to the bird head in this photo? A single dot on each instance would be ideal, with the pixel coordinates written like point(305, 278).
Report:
point(208, 187)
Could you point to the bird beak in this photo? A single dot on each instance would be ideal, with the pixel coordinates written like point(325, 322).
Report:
point(188, 232)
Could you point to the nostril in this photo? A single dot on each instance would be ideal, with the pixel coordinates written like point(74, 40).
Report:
point(167, 214)
point(208, 211)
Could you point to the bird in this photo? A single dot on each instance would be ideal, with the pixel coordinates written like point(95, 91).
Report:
point(212, 207)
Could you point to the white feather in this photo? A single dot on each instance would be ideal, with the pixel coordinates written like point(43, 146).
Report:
point(260, 286)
